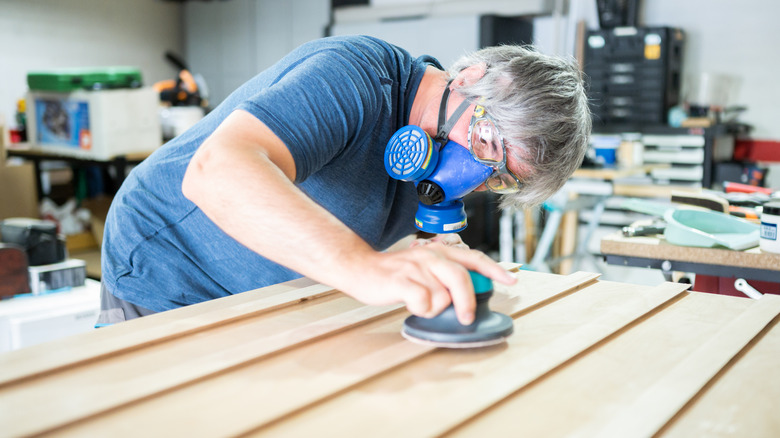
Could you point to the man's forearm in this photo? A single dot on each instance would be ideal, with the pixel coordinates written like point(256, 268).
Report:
point(250, 198)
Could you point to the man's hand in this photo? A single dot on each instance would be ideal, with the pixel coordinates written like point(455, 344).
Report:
point(426, 278)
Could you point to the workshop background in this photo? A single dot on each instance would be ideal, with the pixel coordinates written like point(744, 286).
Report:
point(192, 54)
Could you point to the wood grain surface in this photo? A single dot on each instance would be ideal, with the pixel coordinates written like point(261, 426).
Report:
point(588, 358)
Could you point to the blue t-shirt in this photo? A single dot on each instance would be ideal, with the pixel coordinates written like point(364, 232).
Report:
point(335, 103)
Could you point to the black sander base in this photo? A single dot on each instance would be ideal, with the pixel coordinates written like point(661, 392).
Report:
point(444, 330)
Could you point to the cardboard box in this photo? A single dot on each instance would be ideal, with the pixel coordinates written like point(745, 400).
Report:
point(18, 195)
point(80, 242)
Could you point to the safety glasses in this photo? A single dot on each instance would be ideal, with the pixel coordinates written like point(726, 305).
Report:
point(487, 146)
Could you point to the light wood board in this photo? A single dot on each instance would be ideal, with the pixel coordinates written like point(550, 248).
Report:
point(588, 358)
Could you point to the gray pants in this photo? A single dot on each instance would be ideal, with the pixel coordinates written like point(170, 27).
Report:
point(114, 310)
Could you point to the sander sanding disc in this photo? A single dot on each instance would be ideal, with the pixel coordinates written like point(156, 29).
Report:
point(443, 331)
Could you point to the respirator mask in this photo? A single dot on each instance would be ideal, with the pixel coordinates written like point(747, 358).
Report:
point(444, 171)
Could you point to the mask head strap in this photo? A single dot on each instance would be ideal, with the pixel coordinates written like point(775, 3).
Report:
point(445, 128)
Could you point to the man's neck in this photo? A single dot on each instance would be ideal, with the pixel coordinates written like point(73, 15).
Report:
point(425, 107)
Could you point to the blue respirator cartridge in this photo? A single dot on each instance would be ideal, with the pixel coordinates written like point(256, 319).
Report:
point(411, 154)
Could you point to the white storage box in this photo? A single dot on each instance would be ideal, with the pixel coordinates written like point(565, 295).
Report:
point(33, 319)
point(98, 125)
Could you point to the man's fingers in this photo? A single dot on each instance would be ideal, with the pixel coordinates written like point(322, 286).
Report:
point(437, 295)
point(417, 299)
point(440, 300)
point(457, 281)
point(478, 261)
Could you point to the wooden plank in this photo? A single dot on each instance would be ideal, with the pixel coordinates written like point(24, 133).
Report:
point(49, 357)
point(287, 382)
point(510, 266)
point(124, 378)
point(446, 387)
point(682, 382)
point(595, 387)
point(742, 401)
point(534, 290)
point(256, 394)
point(166, 326)
point(587, 358)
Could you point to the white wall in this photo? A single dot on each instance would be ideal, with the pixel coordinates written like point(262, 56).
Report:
point(220, 43)
point(740, 38)
point(447, 38)
point(445, 29)
point(736, 38)
point(230, 42)
point(46, 34)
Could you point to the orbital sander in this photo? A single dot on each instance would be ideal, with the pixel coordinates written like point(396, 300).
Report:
point(444, 330)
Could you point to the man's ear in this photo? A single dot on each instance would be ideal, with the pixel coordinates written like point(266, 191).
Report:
point(470, 75)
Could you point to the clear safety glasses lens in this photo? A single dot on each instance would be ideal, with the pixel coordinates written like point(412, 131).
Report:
point(486, 142)
point(487, 147)
point(502, 182)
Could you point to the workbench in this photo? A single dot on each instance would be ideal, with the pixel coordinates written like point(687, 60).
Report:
point(589, 188)
point(587, 358)
point(654, 252)
point(116, 166)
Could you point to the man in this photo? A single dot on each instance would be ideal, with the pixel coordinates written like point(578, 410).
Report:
point(286, 178)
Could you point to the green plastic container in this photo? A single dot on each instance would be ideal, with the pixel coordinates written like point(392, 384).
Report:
point(709, 229)
point(72, 79)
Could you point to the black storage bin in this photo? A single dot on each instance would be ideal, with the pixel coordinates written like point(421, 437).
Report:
point(633, 73)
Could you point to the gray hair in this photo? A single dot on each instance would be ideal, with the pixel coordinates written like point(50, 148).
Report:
point(538, 103)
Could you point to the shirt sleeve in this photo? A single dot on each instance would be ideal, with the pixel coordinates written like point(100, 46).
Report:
point(320, 106)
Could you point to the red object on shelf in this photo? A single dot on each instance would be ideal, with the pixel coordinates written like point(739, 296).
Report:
point(757, 150)
point(733, 187)
point(16, 136)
